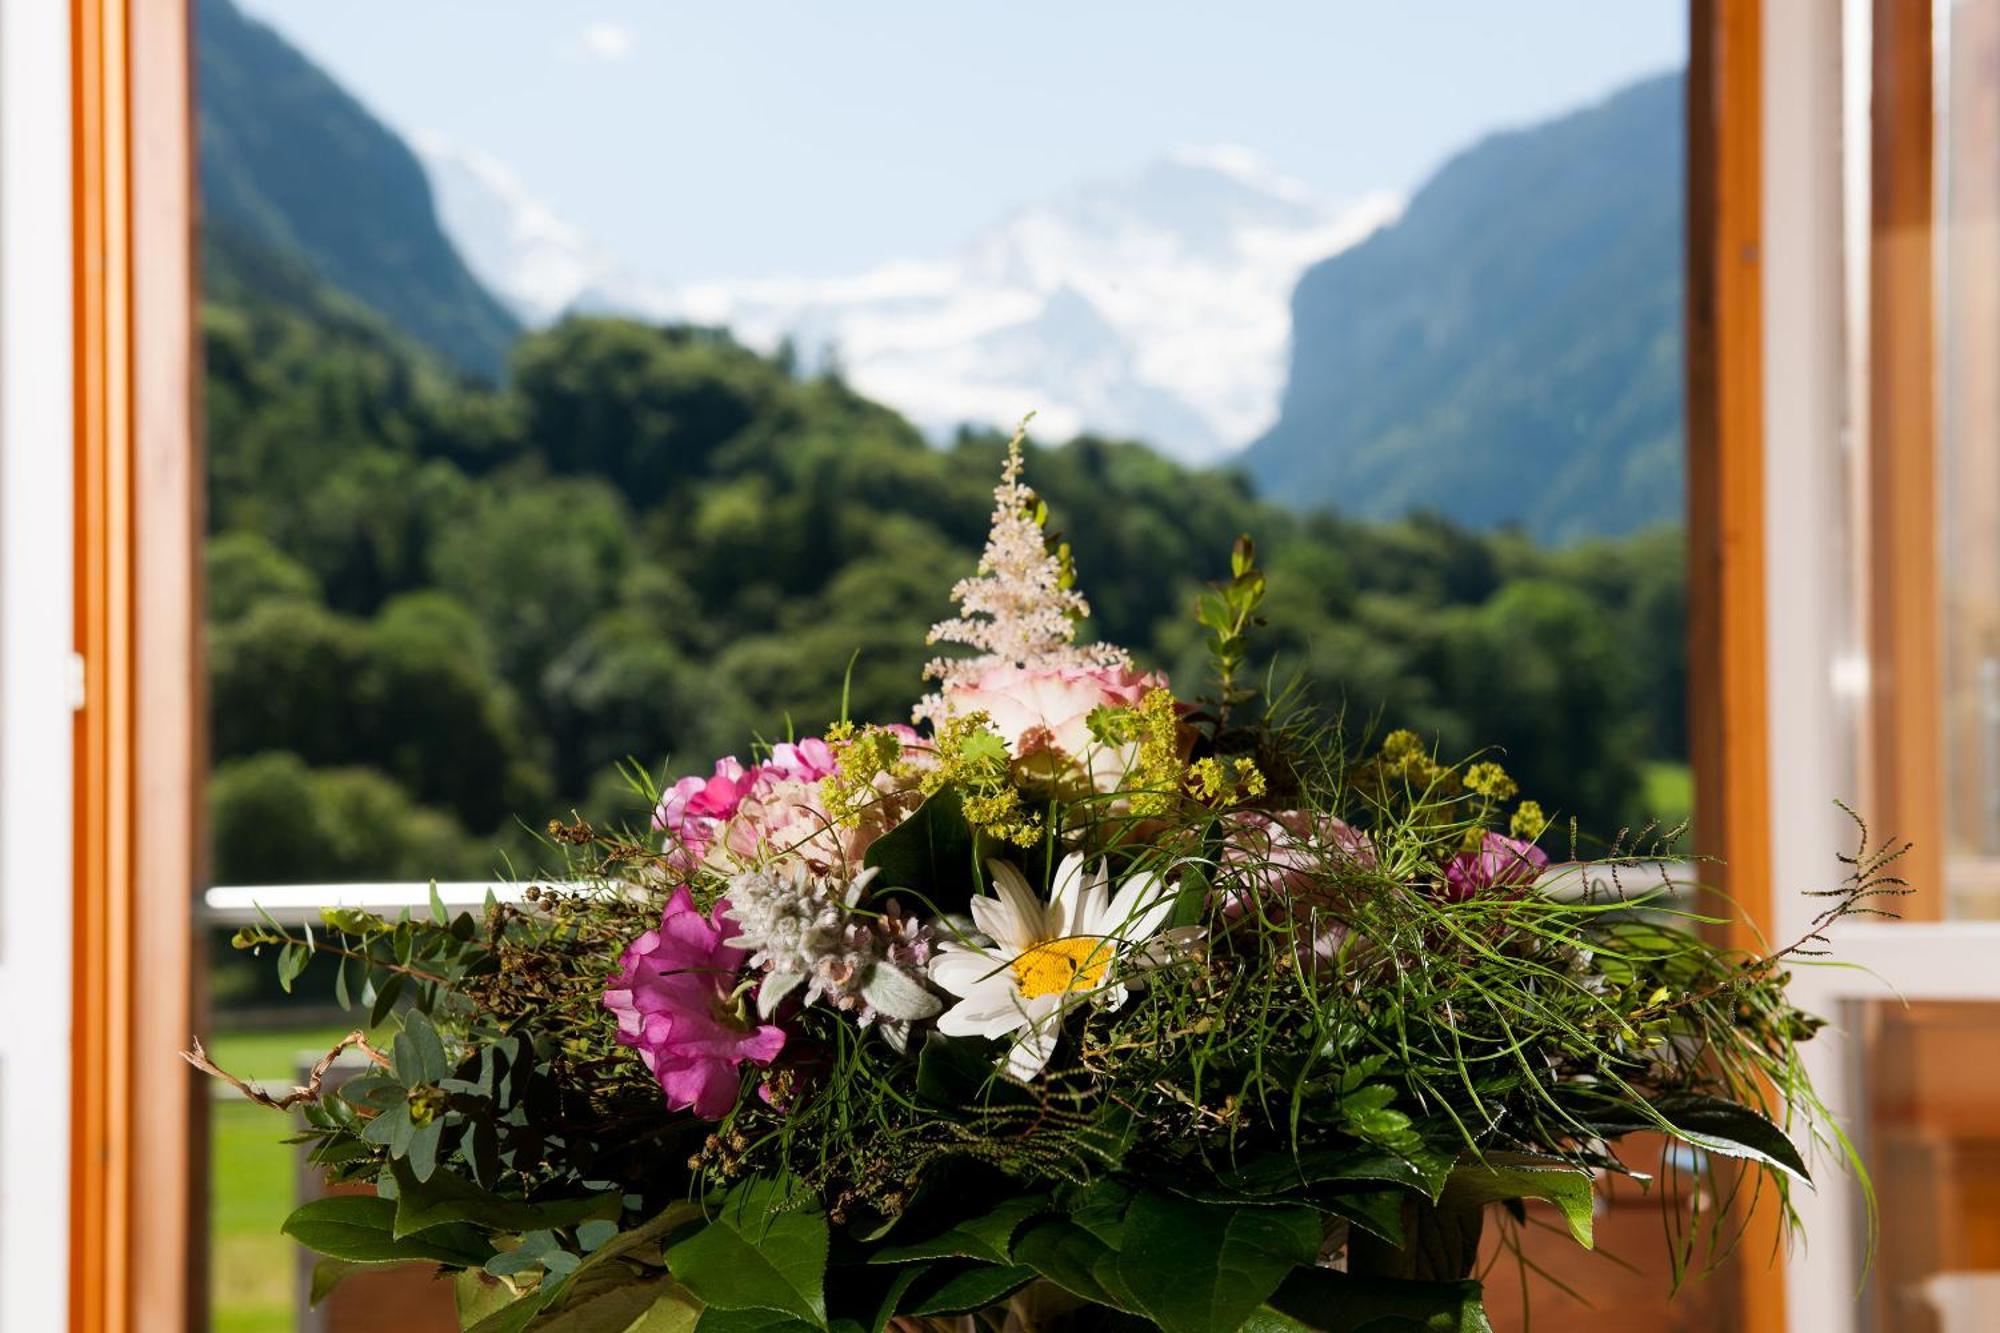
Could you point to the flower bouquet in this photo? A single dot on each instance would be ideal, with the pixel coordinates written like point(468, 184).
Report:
point(1080, 1004)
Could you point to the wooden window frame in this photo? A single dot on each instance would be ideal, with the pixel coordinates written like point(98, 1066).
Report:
point(136, 1237)
point(137, 1159)
point(1728, 698)
point(1903, 758)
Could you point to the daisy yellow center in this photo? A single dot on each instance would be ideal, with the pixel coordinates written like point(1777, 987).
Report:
point(1075, 963)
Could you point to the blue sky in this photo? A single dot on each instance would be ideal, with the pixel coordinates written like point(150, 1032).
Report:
point(741, 137)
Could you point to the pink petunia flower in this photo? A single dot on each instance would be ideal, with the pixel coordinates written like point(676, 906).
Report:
point(676, 1001)
point(1501, 862)
point(694, 809)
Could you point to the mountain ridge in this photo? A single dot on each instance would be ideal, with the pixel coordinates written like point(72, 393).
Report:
point(290, 162)
point(1150, 305)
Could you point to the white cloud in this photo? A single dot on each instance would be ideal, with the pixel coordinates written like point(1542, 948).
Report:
point(607, 41)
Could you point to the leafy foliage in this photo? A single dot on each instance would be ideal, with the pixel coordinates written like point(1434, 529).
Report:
point(653, 542)
point(1337, 1055)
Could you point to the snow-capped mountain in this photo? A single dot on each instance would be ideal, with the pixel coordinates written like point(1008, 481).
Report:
point(529, 257)
point(1155, 306)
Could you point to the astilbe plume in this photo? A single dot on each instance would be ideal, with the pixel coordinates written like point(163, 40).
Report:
point(1020, 609)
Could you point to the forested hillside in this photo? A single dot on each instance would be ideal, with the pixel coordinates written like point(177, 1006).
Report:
point(1510, 350)
point(439, 607)
point(456, 578)
point(291, 163)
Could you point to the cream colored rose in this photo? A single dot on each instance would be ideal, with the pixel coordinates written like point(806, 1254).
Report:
point(1044, 716)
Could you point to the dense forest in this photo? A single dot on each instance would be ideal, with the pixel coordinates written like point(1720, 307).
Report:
point(442, 612)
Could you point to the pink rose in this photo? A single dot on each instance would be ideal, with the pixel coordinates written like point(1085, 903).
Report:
point(1276, 857)
point(1500, 863)
point(1044, 715)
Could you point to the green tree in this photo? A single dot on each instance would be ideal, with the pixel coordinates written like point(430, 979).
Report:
point(276, 821)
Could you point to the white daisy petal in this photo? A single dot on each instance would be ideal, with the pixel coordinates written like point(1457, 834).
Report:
point(1140, 907)
point(1011, 888)
point(996, 920)
point(1031, 1050)
point(991, 1011)
point(1092, 905)
point(1064, 896)
point(961, 970)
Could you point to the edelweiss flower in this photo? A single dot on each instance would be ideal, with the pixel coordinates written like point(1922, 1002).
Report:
point(804, 931)
point(1085, 943)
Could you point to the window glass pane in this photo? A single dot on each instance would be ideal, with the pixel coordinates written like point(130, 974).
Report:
point(599, 391)
point(1933, 1147)
point(1969, 459)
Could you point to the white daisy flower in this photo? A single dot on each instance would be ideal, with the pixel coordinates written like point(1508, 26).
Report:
point(1085, 943)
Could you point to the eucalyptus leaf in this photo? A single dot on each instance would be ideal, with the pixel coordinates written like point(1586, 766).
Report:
point(419, 1051)
point(422, 1155)
point(359, 1229)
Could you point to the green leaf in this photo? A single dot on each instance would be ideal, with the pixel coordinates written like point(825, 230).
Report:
point(479, 1296)
point(419, 1051)
point(955, 1072)
point(1321, 1299)
point(960, 1289)
point(1710, 1123)
point(892, 1297)
point(714, 1320)
point(930, 853)
point(385, 1000)
point(1519, 1176)
point(674, 1310)
point(988, 1238)
point(447, 1197)
point(328, 1274)
point(292, 960)
point(657, 1305)
point(358, 1228)
point(1066, 1255)
point(639, 1243)
point(758, 1253)
point(1284, 1173)
point(1378, 1212)
point(1203, 1267)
